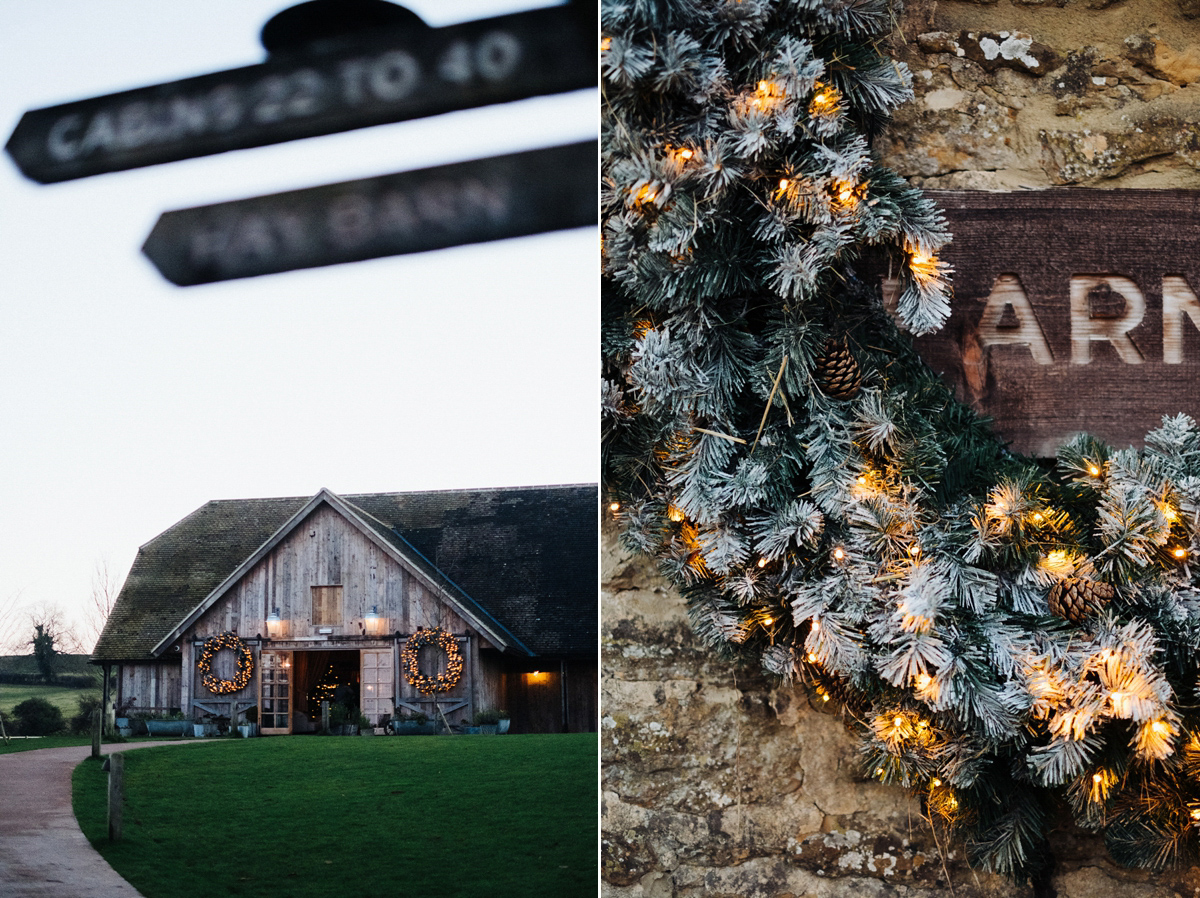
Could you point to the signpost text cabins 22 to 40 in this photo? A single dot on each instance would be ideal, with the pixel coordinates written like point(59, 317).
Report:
point(1074, 309)
point(334, 66)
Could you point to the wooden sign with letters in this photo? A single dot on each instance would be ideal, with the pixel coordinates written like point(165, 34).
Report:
point(399, 75)
point(1074, 309)
point(431, 208)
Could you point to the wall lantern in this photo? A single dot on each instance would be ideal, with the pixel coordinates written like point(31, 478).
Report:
point(274, 623)
point(372, 619)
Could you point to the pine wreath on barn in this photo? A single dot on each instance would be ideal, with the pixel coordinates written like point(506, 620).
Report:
point(1002, 634)
point(410, 658)
point(244, 659)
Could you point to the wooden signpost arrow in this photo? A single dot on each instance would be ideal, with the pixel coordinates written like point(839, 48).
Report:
point(432, 208)
point(388, 75)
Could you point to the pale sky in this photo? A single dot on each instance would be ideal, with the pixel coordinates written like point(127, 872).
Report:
point(126, 402)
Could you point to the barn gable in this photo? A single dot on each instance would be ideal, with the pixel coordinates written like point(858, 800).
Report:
point(327, 541)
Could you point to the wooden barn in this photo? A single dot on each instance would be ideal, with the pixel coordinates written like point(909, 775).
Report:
point(277, 604)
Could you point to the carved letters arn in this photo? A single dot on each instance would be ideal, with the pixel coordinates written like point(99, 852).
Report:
point(1179, 301)
point(1074, 310)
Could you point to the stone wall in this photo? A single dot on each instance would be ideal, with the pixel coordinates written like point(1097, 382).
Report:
point(1038, 93)
point(719, 783)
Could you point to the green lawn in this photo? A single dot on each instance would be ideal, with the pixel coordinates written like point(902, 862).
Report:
point(310, 816)
point(64, 697)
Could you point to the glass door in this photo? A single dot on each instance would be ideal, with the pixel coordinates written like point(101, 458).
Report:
point(274, 701)
point(378, 685)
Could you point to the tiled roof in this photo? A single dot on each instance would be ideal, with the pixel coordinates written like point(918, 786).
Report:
point(526, 556)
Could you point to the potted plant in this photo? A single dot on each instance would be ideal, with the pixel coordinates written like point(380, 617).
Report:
point(487, 720)
point(416, 723)
point(364, 726)
point(340, 721)
point(250, 727)
point(174, 724)
point(502, 724)
point(123, 722)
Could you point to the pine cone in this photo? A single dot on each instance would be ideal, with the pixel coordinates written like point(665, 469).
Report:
point(1077, 598)
point(837, 373)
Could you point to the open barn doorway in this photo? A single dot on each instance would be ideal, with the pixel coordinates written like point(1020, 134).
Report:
point(333, 675)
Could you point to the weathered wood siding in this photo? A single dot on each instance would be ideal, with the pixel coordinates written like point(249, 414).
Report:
point(563, 696)
point(152, 687)
point(583, 696)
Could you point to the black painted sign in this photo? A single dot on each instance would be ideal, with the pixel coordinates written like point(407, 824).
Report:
point(410, 74)
point(1074, 310)
point(432, 208)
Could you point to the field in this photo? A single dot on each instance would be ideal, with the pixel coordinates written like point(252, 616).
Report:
point(311, 816)
point(64, 664)
point(64, 697)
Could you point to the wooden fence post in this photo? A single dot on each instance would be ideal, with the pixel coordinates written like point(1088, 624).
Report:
point(97, 718)
point(116, 795)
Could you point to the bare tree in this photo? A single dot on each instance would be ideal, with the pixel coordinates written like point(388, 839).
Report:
point(14, 635)
point(105, 587)
point(49, 619)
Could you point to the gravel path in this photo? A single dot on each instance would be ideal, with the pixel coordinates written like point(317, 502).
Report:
point(43, 853)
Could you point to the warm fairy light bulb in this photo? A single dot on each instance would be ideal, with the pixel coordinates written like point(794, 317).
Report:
point(816, 625)
point(614, 506)
point(646, 194)
point(767, 621)
point(1179, 552)
point(1097, 777)
point(879, 771)
point(936, 782)
point(674, 514)
point(605, 43)
point(923, 266)
point(825, 697)
point(923, 680)
point(685, 154)
point(812, 656)
point(862, 479)
point(824, 100)
point(846, 193)
point(914, 550)
point(1093, 470)
point(783, 183)
point(1160, 727)
point(1196, 813)
point(839, 553)
point(762, 562)
point(898, 721)
point(1038, 517)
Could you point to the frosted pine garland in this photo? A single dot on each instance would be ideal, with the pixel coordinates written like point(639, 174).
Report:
point(881, 550)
